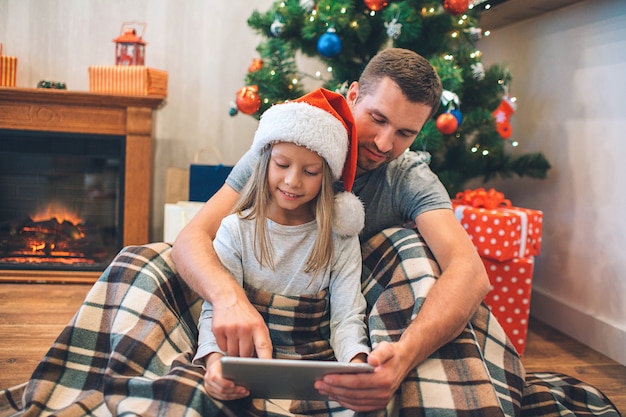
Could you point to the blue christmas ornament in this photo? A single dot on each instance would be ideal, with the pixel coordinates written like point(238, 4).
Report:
point(459, 116)
point(329, 44)
point(233, 110)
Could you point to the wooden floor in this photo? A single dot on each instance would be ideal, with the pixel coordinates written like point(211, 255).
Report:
point(32, 315)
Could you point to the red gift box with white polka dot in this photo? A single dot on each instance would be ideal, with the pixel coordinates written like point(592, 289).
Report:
point(509, 298)
point(502, 233)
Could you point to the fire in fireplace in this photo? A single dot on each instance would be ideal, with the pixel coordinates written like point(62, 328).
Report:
point(52, 236)
point(61, 200)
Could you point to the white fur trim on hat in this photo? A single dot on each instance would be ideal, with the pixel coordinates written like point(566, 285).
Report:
point(305, 125)
point(349, 216)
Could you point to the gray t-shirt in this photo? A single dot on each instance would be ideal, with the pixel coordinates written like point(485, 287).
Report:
point(393, 195)
point(234, 245)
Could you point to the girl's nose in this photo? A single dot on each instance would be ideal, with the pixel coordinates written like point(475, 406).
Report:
point(292, 178)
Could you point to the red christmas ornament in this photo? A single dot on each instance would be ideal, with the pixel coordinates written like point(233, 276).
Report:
point(447, 123)
point(376, 5)
point(456, 7)
point(257, 64)
point(503, 114)
point(248, 100)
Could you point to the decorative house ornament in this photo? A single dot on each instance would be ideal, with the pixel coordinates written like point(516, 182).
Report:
point(130, 49)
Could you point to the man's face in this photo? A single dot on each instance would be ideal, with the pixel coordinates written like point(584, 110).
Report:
point(386, 122)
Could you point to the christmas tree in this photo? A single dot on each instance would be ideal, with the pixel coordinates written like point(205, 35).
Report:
point(469, 136)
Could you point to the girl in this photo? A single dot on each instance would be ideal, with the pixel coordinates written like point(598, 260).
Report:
point(292, 243)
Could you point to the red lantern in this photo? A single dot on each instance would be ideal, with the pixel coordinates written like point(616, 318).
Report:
point(130, 49)
point(248, 99)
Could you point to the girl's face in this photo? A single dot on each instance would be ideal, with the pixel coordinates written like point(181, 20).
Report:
point(294, 179)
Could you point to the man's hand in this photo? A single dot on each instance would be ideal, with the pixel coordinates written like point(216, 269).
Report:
point(239, 328)
point(216, 385)
point(368, 392)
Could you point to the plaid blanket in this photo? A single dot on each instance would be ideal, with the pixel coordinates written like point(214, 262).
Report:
point(299, 325)
point(128, 350)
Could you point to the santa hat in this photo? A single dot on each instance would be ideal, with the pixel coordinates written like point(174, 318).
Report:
point(322, 122)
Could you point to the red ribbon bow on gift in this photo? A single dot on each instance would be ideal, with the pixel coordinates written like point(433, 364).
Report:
point(482, 198)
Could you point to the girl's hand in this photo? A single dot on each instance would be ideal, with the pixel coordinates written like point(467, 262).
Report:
point(217, 386)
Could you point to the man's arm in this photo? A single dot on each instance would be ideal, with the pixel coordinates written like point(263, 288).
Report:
point(238, 327)
point(453, 300)
point(448, 307)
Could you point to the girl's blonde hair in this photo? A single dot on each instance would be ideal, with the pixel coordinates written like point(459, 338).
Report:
point(256, 196)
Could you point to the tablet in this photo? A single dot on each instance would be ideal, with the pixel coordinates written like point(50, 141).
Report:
point(285, 378)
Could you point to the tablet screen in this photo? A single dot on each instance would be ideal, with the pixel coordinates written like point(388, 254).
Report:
point(284, 378)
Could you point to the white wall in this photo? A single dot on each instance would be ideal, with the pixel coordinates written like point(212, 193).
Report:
point(206, 47)
point(569, 76)
point(569, 70)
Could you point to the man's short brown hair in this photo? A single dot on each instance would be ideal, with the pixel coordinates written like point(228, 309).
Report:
point(415, 76)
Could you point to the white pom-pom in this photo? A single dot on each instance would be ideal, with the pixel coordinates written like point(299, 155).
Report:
point(349, 214)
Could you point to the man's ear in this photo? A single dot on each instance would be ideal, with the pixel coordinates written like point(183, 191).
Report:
point(353, 93)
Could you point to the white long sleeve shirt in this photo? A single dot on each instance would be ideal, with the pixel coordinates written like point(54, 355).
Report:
point(234, 245)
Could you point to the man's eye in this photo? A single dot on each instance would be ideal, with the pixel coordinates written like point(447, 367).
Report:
point(378, 120)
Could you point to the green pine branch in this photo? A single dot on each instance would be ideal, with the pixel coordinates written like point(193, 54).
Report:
point(475, 150)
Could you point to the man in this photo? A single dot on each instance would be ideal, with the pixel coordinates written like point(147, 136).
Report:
point(394, 97)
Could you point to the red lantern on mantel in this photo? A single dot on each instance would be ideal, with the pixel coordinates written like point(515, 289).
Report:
point(130, 49)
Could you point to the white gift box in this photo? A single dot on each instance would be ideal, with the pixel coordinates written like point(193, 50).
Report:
point(177, 216)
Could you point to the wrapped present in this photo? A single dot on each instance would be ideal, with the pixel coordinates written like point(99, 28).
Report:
point(8, 70)
point(498, 230)
point(509, 298)
point(127, 80)
point(176, 216)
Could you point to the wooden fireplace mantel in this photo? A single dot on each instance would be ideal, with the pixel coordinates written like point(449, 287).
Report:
point(82, 112)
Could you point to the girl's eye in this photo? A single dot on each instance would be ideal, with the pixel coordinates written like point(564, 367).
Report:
point(311, 173)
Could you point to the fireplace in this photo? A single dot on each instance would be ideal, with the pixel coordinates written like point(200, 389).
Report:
point(61, 200)
point(75, 175)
